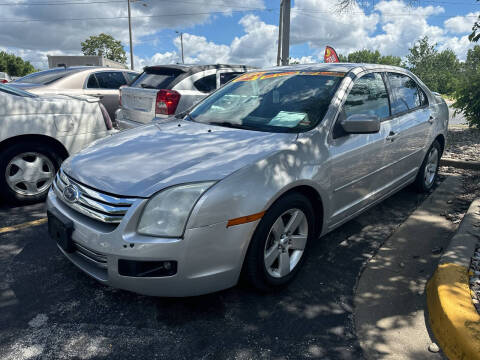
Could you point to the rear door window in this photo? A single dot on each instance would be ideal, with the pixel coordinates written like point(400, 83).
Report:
point(110, 79)
point(206, 84)
point(92, 82)
point(130, 77)
point(156, 78)
point(406, 94)
point(227, 76)
point(368, 96)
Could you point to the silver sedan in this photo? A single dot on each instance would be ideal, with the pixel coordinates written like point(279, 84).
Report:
point(246, 181)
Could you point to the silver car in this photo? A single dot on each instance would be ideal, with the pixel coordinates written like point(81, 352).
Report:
point(100, 82)
point(248, 180)
point(165, 90)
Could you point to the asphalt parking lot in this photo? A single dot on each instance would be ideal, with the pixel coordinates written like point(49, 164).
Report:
point(49, 309)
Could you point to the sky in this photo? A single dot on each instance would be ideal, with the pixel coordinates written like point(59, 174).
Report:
point(232, 31)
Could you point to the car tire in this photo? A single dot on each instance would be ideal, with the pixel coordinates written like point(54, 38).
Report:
point(27, 171)
point(274, 244)
point(428, 171)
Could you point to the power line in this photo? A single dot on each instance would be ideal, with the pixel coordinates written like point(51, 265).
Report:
point(126, 17)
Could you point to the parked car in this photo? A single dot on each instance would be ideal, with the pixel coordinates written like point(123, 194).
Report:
point(162, 91)
point(4, 78)
point(247, 180)
point(37, 133)
point(80, 80)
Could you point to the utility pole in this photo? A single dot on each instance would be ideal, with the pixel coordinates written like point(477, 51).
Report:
point(130, 34)
point(283, 53)
point(181, 44)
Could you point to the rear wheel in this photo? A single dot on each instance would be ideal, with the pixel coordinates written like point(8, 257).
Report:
point(26, 172)
point(428, 171)
point(279, 245)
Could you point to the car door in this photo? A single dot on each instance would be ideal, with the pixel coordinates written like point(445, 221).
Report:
point(357, 160)
point(411, 131)
point(105, 85)
point(195, 87)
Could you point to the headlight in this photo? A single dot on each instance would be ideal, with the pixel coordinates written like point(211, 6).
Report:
point(167, 212)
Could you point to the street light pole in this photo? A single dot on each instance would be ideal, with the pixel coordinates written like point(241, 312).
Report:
point(130, 34)
point(284, 33)
point(181, 43)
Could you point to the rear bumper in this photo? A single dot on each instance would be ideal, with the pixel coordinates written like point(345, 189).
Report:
point(123, 122)
point(209, 258)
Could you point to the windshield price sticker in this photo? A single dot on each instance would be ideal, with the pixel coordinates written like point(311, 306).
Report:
point(289, 119)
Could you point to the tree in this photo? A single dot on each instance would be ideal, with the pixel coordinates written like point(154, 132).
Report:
point(475, 35)
point(370, 57)
point(438, 70)
point(104, 45)
point(467, 94)
point(14, 65)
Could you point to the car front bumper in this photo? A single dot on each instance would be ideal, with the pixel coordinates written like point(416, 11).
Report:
point(208, 258)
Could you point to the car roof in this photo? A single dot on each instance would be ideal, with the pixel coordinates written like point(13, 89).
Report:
point(338, 67)
point(193, 68)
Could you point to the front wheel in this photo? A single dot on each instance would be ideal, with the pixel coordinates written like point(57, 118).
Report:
point(279, 245)
point(428, 171)
point(26, 172)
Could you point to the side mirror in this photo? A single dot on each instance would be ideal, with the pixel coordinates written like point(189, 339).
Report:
point(361, 124)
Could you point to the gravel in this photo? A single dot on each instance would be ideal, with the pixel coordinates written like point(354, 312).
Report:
point(463, 144)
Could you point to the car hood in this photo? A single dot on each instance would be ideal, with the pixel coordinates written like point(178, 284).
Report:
point(144, 160)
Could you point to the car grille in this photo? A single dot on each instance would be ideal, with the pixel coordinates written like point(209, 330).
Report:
point(93, 257)
point(93, 203)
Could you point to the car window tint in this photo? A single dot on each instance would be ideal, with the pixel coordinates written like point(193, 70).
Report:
point(92, 82)
point(368, 96)
point(405, 93)
point(227, 76)
point(48, 76)
point(423, 97)
point(206, 84)
point(130, 76)
point(157, 78)
point(110, 79)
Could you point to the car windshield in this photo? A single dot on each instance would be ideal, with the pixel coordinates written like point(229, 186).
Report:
point(293, 101)
point(14, 91)
point(46, 77)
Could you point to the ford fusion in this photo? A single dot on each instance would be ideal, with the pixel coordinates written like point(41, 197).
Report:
point(246, 181)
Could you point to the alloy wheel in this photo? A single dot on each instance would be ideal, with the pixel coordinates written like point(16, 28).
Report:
point(286, 243)
point(431, 167)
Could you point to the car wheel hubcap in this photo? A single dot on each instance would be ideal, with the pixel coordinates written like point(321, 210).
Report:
point(29, 173)
point(286, 243)
point(431, 167)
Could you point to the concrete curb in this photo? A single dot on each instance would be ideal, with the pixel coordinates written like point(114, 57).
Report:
point(453, 318)
point(461, 164)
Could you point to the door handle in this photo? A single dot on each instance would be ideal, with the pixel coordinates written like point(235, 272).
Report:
point(391, 136)
point(431, 120)
point(100, 96)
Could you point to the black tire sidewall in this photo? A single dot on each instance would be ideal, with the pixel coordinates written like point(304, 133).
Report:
point(6, 193)
point(255, 266)
point(420, 181)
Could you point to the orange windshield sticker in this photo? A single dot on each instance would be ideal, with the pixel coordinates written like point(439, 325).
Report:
point(249, 76)
point(264, 75)
point(289, 73)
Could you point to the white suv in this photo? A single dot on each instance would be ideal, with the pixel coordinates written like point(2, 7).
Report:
point(166, 90)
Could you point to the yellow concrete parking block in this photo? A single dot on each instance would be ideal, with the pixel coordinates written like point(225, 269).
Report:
point(23, 226)
point(453, 317)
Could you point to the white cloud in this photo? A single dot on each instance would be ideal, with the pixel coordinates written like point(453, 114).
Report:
point(258, 47)
point(461, 24)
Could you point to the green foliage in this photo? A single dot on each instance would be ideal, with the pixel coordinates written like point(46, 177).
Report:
point(440, 71)
point(371, 57)
point(468, 89)
point(104, 45)
point(475, 35)
point(14, 65)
